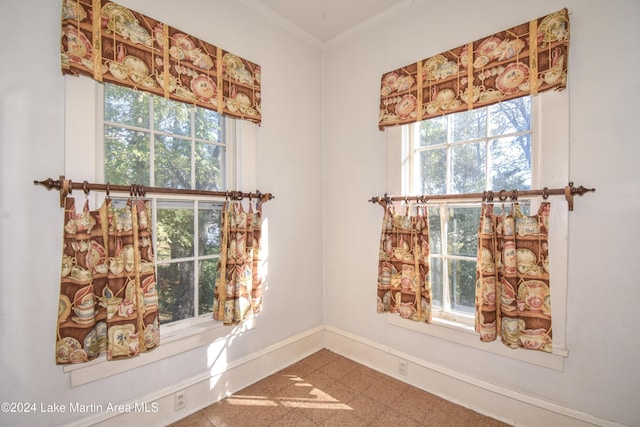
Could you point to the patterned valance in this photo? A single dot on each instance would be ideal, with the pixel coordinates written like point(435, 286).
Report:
point(523, 60)
point(111, 43)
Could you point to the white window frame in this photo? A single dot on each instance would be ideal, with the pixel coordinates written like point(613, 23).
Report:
point(83, 161)
point(550, 168)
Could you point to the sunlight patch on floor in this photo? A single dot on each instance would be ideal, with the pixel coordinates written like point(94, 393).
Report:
point(250, 401)
point(314, 398)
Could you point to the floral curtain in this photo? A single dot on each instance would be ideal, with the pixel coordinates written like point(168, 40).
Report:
point(108, 298)
point(238, 291)
point(523, 60)
point(111, 43)
point(403, 267)
point(512, 288)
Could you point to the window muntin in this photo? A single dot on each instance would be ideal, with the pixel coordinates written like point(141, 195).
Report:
point(468, 152)
point(162, 143)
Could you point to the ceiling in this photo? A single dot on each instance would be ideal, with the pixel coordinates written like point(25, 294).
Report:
point(322, 21)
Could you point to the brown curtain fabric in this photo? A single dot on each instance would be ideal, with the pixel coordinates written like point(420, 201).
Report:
point(523, 60)
point(108, 298)
point(513, 298)
point(403, 267)
point(111, 43)
point(238, 291)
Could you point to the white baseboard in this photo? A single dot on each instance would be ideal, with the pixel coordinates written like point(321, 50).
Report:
point(498, 402)
point(210, 387)
point(486, 398)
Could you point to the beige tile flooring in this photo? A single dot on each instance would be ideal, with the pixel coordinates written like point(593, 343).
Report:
point(326, 389)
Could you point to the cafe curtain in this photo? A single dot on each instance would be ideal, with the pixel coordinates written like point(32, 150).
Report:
point(523, 60)
point(111, 43)
point(403, 268)
point(108, 302)
point(513, 299)
point(238, 291)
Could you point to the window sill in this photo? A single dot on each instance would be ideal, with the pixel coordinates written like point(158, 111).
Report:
point(172, 343)
point(465, 335)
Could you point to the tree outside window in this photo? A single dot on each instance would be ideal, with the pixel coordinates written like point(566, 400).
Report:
point(157, 142)
point(487, 149)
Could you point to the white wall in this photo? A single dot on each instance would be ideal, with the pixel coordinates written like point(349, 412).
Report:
point(323, 249)
point(32, 147)
point(600, 375)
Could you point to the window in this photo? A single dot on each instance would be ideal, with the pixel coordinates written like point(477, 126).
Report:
point(468, 152)
point(517, 144)
point(162, 143)
point(229, 148)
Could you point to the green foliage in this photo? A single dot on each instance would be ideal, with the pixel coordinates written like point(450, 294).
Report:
point(175, 291)
point(469, 152)
point(179, 147)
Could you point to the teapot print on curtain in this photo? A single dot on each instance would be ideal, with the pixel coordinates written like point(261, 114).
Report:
point(513, 298)
point(108, 302)
point(403, 268)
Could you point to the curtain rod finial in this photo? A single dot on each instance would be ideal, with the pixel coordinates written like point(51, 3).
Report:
point(49, 183)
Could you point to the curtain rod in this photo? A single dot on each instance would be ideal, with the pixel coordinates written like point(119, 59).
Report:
point(65, 186)
point(569, 191)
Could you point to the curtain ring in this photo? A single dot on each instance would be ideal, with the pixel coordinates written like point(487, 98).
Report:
point(143, 192)
point(85, 188)
point(67, 186)
point(107, 193)
point(501, 195)
point(545, 193)
point(514, 195)
point(490, 196)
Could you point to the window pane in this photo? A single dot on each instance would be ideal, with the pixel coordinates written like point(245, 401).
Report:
point(209, 220)
point(205, 287)
point(462, 236)
point(209, 167)
point(208, 125)
point(433, 167)
point(511, 163)
point(435, 230)
point(436, 277)
point(188, 152)
point(172, 162)
point(511, 116)
point(467, 152)
point(122, 105)
point(468, 168)
point(175, 291)
point(462, 289)
point(174, 230)
point(433, 131)
point(469, 125)
point(126, 156)
point(172, 117)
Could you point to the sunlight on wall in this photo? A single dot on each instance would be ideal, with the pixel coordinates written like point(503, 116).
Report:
point(217, 356)
point(264, 267)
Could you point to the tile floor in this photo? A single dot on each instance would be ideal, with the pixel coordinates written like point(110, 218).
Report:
point(326, 389)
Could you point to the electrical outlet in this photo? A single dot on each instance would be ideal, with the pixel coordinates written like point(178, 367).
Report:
point(179, 400)
point(402, 368)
